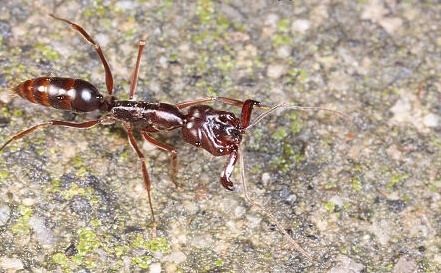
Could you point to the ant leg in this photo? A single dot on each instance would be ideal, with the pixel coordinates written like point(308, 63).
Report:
point(128, 128)
point(174, 155)
point(186, 104)
point(134, 78)
point(88, 38)
point(225, 100)
point(229, 101)
point(228, 169)
point(83, 125)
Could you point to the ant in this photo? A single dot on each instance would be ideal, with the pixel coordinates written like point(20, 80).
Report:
point(218, 132)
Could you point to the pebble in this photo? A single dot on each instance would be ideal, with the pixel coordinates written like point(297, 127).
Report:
point(5, 213)
point(11, 263)
point(431, 120)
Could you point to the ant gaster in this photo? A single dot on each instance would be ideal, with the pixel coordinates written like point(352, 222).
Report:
point(218, 132)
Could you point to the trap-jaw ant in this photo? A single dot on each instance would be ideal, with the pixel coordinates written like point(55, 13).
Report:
point(218, 132)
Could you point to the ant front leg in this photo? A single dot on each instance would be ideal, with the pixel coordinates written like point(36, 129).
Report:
point(229, 101)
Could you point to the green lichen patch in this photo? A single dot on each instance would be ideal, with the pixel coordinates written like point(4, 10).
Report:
point(47, 52)
point(397, 179)
point(22, 225)
point(156, 245)
point(142, 261)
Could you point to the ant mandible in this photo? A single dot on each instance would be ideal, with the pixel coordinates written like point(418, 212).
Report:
point(218, 132)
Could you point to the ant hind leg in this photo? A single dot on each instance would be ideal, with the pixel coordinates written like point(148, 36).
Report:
point(83, 125)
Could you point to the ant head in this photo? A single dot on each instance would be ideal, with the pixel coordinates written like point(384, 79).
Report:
point(218, 132)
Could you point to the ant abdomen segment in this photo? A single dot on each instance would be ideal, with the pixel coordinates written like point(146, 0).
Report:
point(63, 93)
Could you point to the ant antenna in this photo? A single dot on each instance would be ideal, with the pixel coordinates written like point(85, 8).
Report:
point(264, 210)
point(295, 245)
point(295, 107)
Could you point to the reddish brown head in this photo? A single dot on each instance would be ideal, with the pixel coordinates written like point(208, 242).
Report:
point(218, 132)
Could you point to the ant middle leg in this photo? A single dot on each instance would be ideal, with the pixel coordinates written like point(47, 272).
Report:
point(165, 147)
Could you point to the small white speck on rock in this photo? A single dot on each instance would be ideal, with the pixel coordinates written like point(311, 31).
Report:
point(5, 213)
point(44, 235)
point(253, 220)
point(405, 265)
point(239, 211)
point(203, 240)
point(345, 264)
point(431, 120)
point(176, 257)
point(127, 5)
point(301, 25)
point(284, 51)
point(11, 263)
point(155, 268)
point(275, 71)
point(271, 19)
point(266, 179)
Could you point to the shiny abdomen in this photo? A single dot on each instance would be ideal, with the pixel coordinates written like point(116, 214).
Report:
point(61, 93)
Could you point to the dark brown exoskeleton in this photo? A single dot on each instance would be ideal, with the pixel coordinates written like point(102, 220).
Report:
point(218, 132)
